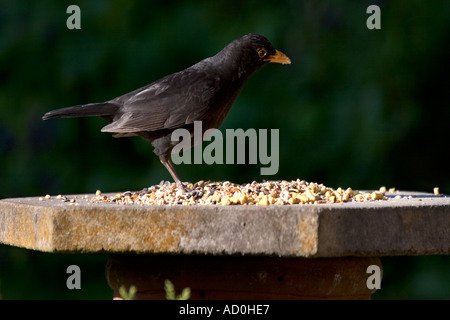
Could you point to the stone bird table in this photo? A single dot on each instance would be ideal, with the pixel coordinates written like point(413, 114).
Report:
point(314, 251)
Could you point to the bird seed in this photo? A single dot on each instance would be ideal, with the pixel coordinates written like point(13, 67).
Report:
point(264, 193)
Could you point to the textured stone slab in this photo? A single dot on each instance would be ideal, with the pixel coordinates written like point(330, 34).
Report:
point(416, 226)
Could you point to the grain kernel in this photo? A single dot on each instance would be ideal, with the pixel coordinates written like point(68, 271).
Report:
point(436, 191)
point(376, 195)
point(264, 201)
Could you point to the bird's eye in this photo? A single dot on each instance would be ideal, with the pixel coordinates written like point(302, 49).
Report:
point(262, 53)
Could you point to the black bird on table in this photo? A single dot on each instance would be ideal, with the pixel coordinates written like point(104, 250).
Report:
point(203, 92)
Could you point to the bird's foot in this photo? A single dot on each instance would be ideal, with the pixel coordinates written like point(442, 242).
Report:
point(182, 188)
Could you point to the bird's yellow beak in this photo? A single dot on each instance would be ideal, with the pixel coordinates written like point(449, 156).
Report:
point(278, 57)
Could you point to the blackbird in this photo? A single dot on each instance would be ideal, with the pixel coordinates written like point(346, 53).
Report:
point(203, 92)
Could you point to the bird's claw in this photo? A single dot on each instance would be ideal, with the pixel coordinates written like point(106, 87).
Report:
point(182, 188)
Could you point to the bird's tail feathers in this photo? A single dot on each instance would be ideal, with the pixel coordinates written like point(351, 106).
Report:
point(102, 109)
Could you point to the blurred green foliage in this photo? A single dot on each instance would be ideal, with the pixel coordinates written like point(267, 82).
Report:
point(357, 107)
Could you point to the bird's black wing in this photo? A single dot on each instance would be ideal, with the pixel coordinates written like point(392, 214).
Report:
point(171, 102)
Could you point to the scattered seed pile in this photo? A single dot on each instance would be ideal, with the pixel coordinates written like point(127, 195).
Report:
point(227, 193)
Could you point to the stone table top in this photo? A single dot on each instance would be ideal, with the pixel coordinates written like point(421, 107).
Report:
point(415, 225)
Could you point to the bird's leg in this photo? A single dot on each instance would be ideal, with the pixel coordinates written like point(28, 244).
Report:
point(169, 166)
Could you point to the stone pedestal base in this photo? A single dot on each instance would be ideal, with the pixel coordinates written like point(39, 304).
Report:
point(242, 277)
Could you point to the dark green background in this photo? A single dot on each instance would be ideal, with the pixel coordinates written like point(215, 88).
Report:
point(356, 108)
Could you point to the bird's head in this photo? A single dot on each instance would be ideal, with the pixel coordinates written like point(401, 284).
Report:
point(260, 49)
point(250, 52)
